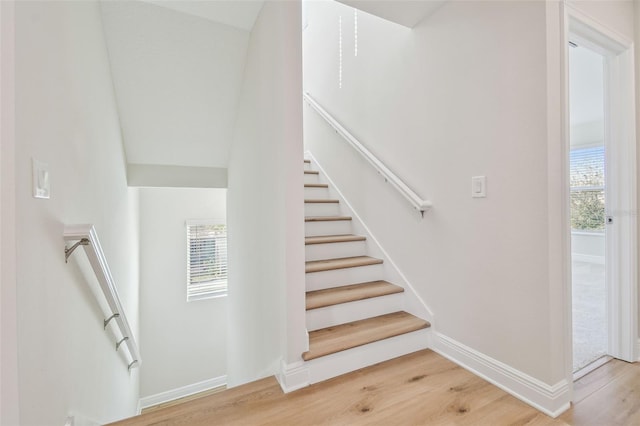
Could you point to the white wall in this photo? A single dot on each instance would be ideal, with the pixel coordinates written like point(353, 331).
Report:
point(181, 342)
point(460, 95)
point(9, 412)
point(265, 208)
point(66, 116)
point(636, 4)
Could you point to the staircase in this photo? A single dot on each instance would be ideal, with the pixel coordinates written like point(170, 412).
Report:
point(355, 317)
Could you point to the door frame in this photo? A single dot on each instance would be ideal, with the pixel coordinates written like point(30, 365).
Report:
point(621, 180)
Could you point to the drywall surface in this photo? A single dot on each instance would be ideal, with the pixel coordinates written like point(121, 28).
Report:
point(460, 95)
point(177, 79)
point(265, 208)
point(9, 403)
point(636, 4)
point(66, 117)
point(182, 342)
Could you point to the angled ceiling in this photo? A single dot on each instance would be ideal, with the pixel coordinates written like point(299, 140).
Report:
point(238, 14)
point(404, 12)
point(177, 78)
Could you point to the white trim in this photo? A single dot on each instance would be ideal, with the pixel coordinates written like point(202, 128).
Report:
point(181, 392)
point(638, 350)
point(422, 310)
point(293, 376)
point(418, 203)
point(552, 400)
point(598, 260)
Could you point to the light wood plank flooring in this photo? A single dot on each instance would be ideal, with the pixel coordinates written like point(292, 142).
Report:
point(422, 388)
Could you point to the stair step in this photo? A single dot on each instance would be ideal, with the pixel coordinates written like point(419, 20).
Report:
point(341, 337)
point(340, 263)
point(311, 172)
point(307, 161)
point(325, 218)
point(321, 200)
point(328, 239)
point(316, 185)
point(350, 293)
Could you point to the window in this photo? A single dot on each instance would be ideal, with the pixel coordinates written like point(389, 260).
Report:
point(587, 189)
point(206, 260)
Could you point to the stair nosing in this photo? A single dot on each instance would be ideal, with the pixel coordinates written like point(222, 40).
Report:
point(346, 238)
point(316, 185)
point(321, 200)
point(326, 218)
point(325, 264)
point(390, 290)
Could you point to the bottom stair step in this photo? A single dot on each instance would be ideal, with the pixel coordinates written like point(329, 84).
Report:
point(350, 335)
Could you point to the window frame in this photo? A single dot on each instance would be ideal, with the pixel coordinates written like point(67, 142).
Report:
point(219, 287)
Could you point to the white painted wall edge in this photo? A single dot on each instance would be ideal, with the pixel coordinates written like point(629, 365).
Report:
point(552, 400)
point(422, 307)
point(162, 176)
point(184, 391)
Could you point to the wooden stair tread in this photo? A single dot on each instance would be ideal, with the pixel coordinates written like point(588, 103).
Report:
point(350, 293)
point(311, 172)
point(340, 263)
point(316, 185)
point(341, 337)
point(325, 218)
point(307, 161)
point(326, 239)
point(321, 200)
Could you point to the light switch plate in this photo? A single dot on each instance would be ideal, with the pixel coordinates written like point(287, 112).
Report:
point(479, 186)
point(41, 183)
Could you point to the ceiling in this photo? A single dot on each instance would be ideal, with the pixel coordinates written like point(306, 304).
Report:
point(239, 14)
point(404, 12)
point(177, 77)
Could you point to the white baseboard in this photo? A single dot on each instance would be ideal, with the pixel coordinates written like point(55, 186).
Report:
point(552, 400)
point(638, 350)
point(587, 258)
point(171, 395)
point(293, 376)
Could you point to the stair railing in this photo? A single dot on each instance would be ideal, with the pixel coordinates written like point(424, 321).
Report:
point(85, 236)
point(416, 201)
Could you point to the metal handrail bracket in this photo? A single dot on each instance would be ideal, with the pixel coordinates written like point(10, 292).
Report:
point(85, 236)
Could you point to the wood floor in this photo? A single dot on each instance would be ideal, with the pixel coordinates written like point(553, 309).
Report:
point(418, 389)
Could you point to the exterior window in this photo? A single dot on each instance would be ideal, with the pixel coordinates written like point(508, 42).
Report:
point(587, 189)
point(206, 260)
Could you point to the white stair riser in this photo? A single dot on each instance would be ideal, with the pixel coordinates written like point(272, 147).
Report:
point(334, 365)
point(311, 178)
point(321, 209)
point(340, 277)
point(307, 166)
point(320, 193)
point(333, 227)
point(353, 311)
point(335, 250)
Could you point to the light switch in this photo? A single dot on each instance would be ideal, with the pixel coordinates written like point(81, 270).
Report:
point(41, 184)
point(479, 186)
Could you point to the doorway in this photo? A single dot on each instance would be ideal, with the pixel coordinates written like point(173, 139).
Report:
point(587, 181)
point(606, 187)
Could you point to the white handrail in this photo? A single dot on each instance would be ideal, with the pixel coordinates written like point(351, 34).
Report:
point(418, 203)
point(86, 236)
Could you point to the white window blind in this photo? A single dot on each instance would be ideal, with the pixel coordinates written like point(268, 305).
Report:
point(206, 260)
